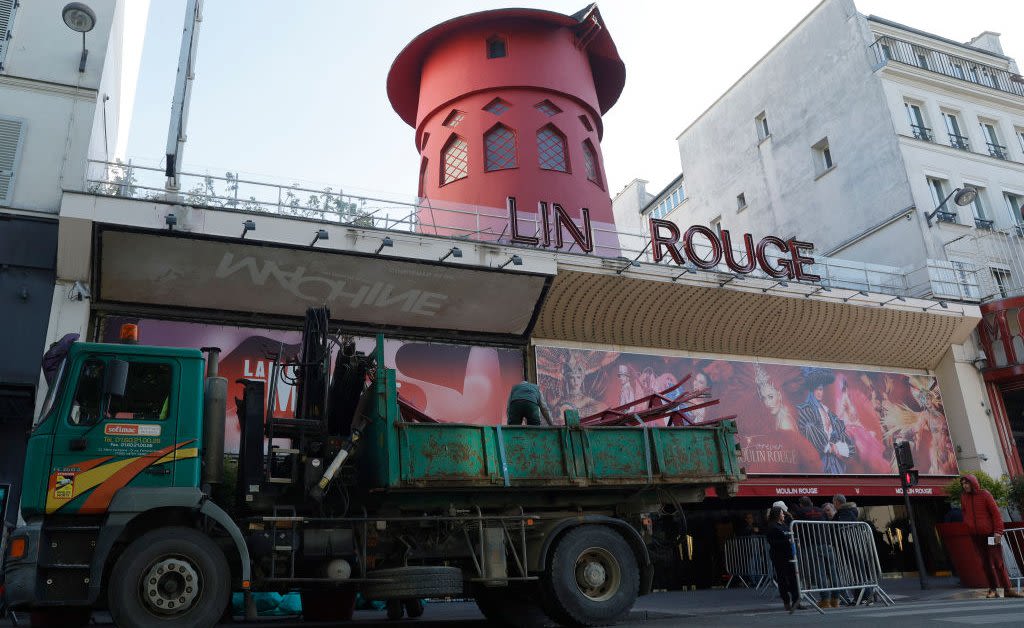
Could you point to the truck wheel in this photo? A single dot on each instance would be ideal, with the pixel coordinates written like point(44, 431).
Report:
point(592, 578)
point(328, 604)
point(514, 605)
point(413, 582)
point(170, 576)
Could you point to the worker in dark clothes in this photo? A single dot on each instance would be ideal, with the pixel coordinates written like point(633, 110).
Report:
point(780, 549)
point(526, 403)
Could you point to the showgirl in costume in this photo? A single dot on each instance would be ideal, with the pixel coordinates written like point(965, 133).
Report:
point(567, 378)
point(870, 450)
point(772, 399)
point(820, 426)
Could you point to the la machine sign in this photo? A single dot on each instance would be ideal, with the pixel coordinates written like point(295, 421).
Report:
point(778, 258)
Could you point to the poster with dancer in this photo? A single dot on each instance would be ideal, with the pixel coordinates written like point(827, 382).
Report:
point(791, 419)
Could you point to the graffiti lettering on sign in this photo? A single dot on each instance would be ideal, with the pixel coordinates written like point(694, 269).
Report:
point(335, 291)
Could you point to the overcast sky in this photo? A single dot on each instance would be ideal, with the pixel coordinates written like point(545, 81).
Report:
point(295, 91)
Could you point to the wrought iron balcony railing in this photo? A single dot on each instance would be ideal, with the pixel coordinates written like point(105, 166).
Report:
point(996, 150)
point(889, 49)
point(946, 216)
point(959, 141)
point(982, 223)
point(922, 133)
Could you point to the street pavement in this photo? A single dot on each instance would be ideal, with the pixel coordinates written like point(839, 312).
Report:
point(944, 603)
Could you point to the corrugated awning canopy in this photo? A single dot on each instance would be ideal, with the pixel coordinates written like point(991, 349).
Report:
point(613, 309)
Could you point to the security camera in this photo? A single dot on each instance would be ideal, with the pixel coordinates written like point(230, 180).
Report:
point(79, 292)
point(983, 457)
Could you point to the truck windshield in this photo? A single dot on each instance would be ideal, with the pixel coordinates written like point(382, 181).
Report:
point(51, 394)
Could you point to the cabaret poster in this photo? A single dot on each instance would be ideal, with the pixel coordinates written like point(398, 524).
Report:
point(791, 419)
point(451, 383)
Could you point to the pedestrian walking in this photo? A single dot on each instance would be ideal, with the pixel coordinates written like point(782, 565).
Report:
point(985, 525)
point(780, 550)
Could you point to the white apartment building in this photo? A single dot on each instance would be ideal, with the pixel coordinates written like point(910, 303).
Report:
point(64, 99)
point(856, 133)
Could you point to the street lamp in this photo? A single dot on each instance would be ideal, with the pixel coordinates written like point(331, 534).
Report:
point(80, 19)
point(963, 196)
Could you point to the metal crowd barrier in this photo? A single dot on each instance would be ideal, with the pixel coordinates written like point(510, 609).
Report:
point(839, 559)
point(747, 557)
point(1013, 555)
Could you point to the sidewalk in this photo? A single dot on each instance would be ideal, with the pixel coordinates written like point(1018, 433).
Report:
point(739, 600)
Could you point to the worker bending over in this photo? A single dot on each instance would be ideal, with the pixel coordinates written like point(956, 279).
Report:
point(526, 402)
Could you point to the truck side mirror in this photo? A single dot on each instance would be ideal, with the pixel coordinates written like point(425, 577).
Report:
point(117, 378)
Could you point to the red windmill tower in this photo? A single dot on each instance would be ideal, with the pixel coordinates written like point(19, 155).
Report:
point(508, 103)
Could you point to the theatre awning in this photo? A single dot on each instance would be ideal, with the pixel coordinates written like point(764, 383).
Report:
point(592, 301)
point(790, 489)
point(253, 279)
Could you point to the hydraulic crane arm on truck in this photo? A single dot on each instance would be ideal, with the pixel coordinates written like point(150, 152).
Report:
point(127, 505)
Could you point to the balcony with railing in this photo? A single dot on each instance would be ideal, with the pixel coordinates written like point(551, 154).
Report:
point(959, 141)
point(936, 278)
point(997, 150)
point(889, 49)
point(922, 133)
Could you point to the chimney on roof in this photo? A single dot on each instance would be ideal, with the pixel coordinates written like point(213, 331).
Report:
point(987, 40)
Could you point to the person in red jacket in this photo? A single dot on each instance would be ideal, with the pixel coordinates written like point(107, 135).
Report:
point(983, 520)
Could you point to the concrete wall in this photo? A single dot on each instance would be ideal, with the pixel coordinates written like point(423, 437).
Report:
point(62, 109)
point(815, 83)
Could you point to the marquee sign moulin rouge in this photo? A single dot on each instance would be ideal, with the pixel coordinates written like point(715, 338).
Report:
point(787, 260)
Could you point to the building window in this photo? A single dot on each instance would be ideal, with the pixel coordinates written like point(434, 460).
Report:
point(956, 138)
point(499, 148)
point(939, 189)
point(551, 152)
point(822, 157)
point(454, 118)
point(496, 47)
point(716, 224)
point(958, 70)
point(1003, 280)
point(7, 10)
point(548, 108)
point(978, 206)
point(497, 106)
point(988, 131)
point(741, 201)
point(761, 123)
point(1015, 206)
point(1019, 132)
point(585, 121)
point(12, 133)
point(590, 163)
point(918, 127)
point(669, 202)
point(423, 177)
point(921, 57)
point(423, 144)
point(454, 160)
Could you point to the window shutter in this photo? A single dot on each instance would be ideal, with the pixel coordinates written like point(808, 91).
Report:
point(11, 132)
point(6, 21)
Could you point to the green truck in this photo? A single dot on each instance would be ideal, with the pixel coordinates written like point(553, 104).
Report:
point(128, 504)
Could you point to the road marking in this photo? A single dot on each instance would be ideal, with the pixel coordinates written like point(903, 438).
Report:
point(983, 619)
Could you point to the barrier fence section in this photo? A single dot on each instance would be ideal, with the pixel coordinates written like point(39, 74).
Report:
point(1013, 555)
point(747, 557)
point(837, 559)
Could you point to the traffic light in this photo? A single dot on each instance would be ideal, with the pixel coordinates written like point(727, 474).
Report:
point(904, 455)
point(910, 477)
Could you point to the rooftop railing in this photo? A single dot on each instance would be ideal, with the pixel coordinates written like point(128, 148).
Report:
point(889, 49)
point(486, 224)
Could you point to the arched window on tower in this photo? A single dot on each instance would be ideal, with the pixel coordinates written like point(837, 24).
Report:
point(551, 152)
point(591, 164)
point(496, 47)
point(454, 160)
point(499, 148)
